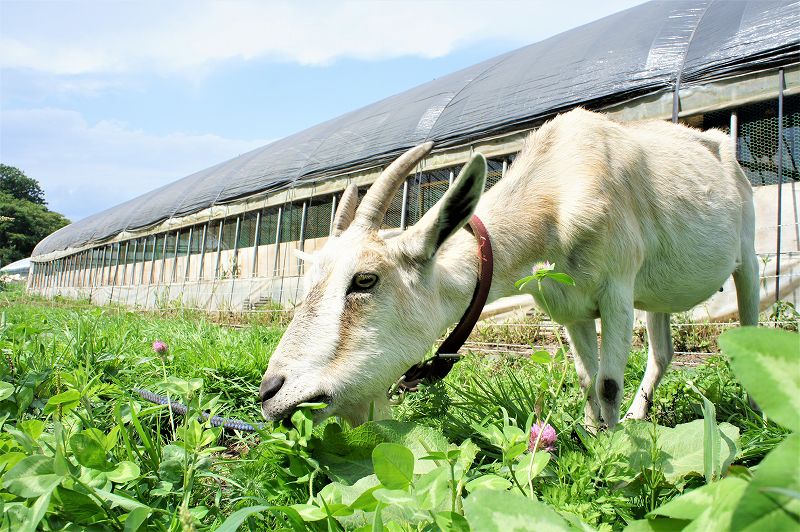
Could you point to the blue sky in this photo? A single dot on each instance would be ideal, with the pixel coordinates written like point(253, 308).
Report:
point(103, 101)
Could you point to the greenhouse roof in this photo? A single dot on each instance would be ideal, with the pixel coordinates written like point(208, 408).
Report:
point(639, 51)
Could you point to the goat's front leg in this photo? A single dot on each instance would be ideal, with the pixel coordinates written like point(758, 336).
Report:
point(616, 317)
point(583, 339)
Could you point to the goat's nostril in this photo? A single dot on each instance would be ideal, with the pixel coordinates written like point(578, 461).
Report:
point(270, 387)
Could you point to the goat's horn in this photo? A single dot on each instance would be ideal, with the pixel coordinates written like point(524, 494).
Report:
point(346, 210)
point(375, 204)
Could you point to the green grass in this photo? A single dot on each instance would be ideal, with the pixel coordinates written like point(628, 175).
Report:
point(49, 347)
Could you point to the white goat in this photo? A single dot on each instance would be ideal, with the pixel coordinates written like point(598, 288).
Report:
point(652, 215)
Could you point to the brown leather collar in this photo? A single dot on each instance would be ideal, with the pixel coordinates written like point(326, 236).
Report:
point(446, 356)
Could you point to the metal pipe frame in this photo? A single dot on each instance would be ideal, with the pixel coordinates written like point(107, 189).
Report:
point(302, 243)
point(175, 257)
point(124, 262)
point(781, 83)
point(277, 241)
point(235, 262)
point(152, 261)
point(219, 249)
point(116, 265)
point(93, 257)
point(256, 237)
point(135, 251)
point(144, 259)
point(188, 255)
point(103, 265)
point(79, 271)
point(163, 260)
point(68, 276)
point(203, 251)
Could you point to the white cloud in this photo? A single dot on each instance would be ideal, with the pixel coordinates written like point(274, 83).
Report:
point(186, 37)
point(85, 168)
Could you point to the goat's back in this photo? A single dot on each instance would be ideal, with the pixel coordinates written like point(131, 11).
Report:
point(662, 202)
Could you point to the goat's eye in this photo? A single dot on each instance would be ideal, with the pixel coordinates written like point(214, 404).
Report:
point(363, 281)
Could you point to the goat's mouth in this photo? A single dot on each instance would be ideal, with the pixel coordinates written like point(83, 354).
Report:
point(321, 398)
point(319, 405)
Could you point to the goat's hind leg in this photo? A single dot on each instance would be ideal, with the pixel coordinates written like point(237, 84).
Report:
point(659, 355)
point(746, 279)
point(747, 292)
point(583, 339)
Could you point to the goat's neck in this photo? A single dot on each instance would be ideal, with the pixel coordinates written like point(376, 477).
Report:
point(515, 247)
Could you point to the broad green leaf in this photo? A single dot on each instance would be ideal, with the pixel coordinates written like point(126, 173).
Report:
point(366, 501)
point(394, 465)
point(505, 511)
point(6, 390)
point(124, 472)
point(37, 512)
point(118, 500)
point(766, 362)
point(235, 520)
point(468, 453)
point(656, 525)
point(541, 357)
point(9, 460)
point(303, 422)
point(74, 505)
point(14, 514)
point(68, 400)
point(562, 278)
point(531, 466)
point(89, 452)
point(347, 455)
point(709, 507)
point(377, 520)
point(182, 387)
point(452, 522)
point(520, 284)
point(330, 493)
point(393, 497)
point(488, 482)
point(433, 488)
point(313, 406)
point(170, 469)
point(759, 509)
point(32, 476)
point(711, 439)
point(682, 447)
point(309, 512)
point(24, 400)
point(135, 518)
point(32, 427)
point(359, 495)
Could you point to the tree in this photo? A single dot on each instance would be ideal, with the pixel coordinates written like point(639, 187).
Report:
point(24, 218)
point(13, 181)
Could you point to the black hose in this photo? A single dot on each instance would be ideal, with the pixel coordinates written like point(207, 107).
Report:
point(180, 408)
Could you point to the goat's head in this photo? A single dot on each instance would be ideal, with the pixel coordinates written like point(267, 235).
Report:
point(373, 303)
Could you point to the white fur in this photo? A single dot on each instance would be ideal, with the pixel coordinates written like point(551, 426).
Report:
point(652, 215)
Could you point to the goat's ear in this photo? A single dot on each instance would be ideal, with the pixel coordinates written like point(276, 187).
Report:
point(450, 214)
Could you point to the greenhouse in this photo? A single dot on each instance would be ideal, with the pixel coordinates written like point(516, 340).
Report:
point(223, 238)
